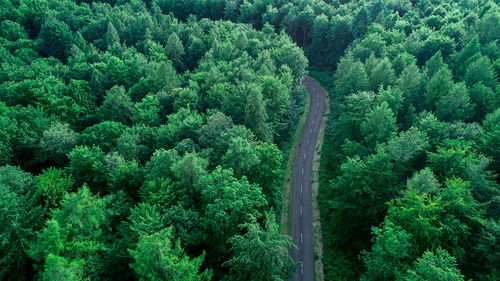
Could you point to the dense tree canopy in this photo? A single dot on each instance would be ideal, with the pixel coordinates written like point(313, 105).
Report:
point(139, 141)
point(410, 164)
point(145, 138)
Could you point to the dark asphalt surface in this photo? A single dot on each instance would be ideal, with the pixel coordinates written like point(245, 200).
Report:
point(301, 213)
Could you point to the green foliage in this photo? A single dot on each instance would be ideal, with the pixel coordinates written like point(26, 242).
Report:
point(410, 82)
point(117, 106)
point(268, 173)
point(481, 70)
point(55, 39)
point(440, 85)
point(424, 182)
point(146, 101)
point(491, 141)
point(104, 135)
point(393, 97)
point(350, 76)
point(379, 125)
point(455, 105)
point(156, 257)
point(52, 187)
point(147, 112)
point(381, 75)
point(18, 219)
point(12, 31)
point(256, 115)
point(136, 143)
point(390, 254)
point(418, 215)
point(408, 146)
point(86, 164)
point(161, 163)
point(360, 194)
point(240, 156)
point(60, 269)
point(58, 140)
point(128, 177)
point(189, 169)
point(211, 133)
point(175, 50)
point(226, 202)
point(111, 36)
point(435, 266)
point(261, 253)
point(452, 158)
point(77, 232)
point(485, 100)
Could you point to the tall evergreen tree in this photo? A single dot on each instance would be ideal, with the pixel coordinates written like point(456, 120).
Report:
point(256, 115)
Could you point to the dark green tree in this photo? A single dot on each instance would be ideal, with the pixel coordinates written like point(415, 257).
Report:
point(55, 39)
point(481, 70)
point(455, 105)
point(491, 141)
point(485, 100)
point(262, 253)
point(18, 219)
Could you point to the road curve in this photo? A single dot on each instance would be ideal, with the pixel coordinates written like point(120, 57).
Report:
point(300, 206)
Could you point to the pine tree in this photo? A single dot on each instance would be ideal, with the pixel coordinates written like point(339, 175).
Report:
point(175, 51)
point(111, 36)
point(256, 115)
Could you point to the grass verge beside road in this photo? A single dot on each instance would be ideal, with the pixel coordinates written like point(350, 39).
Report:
point(287, 184)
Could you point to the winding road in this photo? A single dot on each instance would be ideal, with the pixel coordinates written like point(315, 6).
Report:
point(300, 206)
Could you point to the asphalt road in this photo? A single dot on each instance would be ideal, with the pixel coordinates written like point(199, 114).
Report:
point(300, 213)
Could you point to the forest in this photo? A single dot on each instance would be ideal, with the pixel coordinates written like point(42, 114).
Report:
point(147, 140)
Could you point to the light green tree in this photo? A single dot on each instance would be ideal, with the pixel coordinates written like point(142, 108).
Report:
point(438, 266)
point(158, 258)
point(175, 50)
point(391, 253)
point(379, 125)
point(111, 36)
point(350, 76)
point(256, 115)
point(240, 156)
